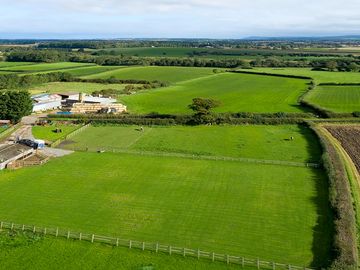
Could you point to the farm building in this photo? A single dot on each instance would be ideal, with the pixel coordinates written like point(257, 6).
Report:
point(46, 102)
point(69, 95)
point(13, 152)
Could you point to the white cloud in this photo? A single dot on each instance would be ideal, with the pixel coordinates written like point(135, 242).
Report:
point(172, 18)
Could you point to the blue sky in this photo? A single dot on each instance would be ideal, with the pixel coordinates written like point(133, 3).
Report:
point(175, 18)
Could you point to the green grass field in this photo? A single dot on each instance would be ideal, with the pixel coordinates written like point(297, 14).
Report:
point(277, 213)
point(86, 71)
point(262, 142)
point(336, 98)
point(13, 64)
point(62, 87)
point(237, 93)
point(168, 74)
point(247, 209)
point(29, 252)
point(318, 76)
point(47, 132)
point(61, 66)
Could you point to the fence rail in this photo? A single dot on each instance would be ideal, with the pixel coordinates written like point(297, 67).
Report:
point(155, 247)
point(205, 157)
point(68, 136)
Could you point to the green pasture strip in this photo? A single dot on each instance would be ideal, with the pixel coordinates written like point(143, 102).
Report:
point(86, 71)
point(46, 67)
point(258, 142)
point(13, 64)
point(29, 251)
point(335, 98)
point(78, 87)
point(166, 74)
point(232, 208)
point(236, 92)
point(318, 76)
point(48, 133)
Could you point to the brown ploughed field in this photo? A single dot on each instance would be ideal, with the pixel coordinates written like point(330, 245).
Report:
point(349, 137)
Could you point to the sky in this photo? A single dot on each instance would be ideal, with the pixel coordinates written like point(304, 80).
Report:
point(177, 18)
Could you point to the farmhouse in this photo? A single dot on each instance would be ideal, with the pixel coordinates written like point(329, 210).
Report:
point(13, 152)
point(45, 102)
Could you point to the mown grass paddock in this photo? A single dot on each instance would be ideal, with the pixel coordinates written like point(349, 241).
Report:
point(237, 93)
point(272, 212)
point(336, 98)
point(261, 142)
point(166, 74)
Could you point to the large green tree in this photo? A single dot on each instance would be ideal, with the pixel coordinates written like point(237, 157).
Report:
point(202, 108)
point(14, 105)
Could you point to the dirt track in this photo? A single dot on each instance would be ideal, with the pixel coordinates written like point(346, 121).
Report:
point(349, 137)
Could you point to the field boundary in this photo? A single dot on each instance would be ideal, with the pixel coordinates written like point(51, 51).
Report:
point(154, 247)
point(197, 157)
point(70, 135)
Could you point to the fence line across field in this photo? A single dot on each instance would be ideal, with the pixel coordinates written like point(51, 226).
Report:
point(70, 135)
point(155, 247)
point(204, 157)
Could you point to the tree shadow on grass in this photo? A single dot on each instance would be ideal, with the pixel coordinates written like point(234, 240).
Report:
point(323, 231)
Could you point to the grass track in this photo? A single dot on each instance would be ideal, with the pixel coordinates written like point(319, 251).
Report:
point(23, 253)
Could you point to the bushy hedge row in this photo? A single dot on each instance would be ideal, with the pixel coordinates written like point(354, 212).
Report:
point(340, 84)
point(271, 74)
point(168, 119)
point(345, 240)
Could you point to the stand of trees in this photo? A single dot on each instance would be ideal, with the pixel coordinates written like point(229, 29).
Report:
point(14, 105)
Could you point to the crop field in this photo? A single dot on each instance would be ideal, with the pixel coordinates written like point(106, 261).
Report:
point(13, 64)
point(47, 132)
point(167, 74)
point(63, 87)
point(318, 76)
point(236, 92)
point(262, 142)
point(28, 252)
point(336, 98)
point(222, 206)
point(45, 67)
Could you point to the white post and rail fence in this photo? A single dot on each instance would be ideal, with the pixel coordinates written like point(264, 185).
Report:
point(154, 247)
point(70, 135)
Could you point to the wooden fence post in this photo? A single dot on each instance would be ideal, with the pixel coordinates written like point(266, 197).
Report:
point(130, 244)
point(68, 235)
point(12, 226)
point(213, 256)
point(198, 254)
point(80, 236)
point(242, 262)
point(257, 263)
point(92, 238)
point(117, 242)
point(169, 250)
point(34, 230)
point(57, 232)
point(289, 267)
point(157, 247)
point(45, 231)
point(227, 259)
point(184, 252)
point(143, 245)
point(23, 227)
point(1, 225)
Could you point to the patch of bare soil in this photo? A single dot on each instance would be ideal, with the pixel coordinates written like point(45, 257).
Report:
point(349, 137)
